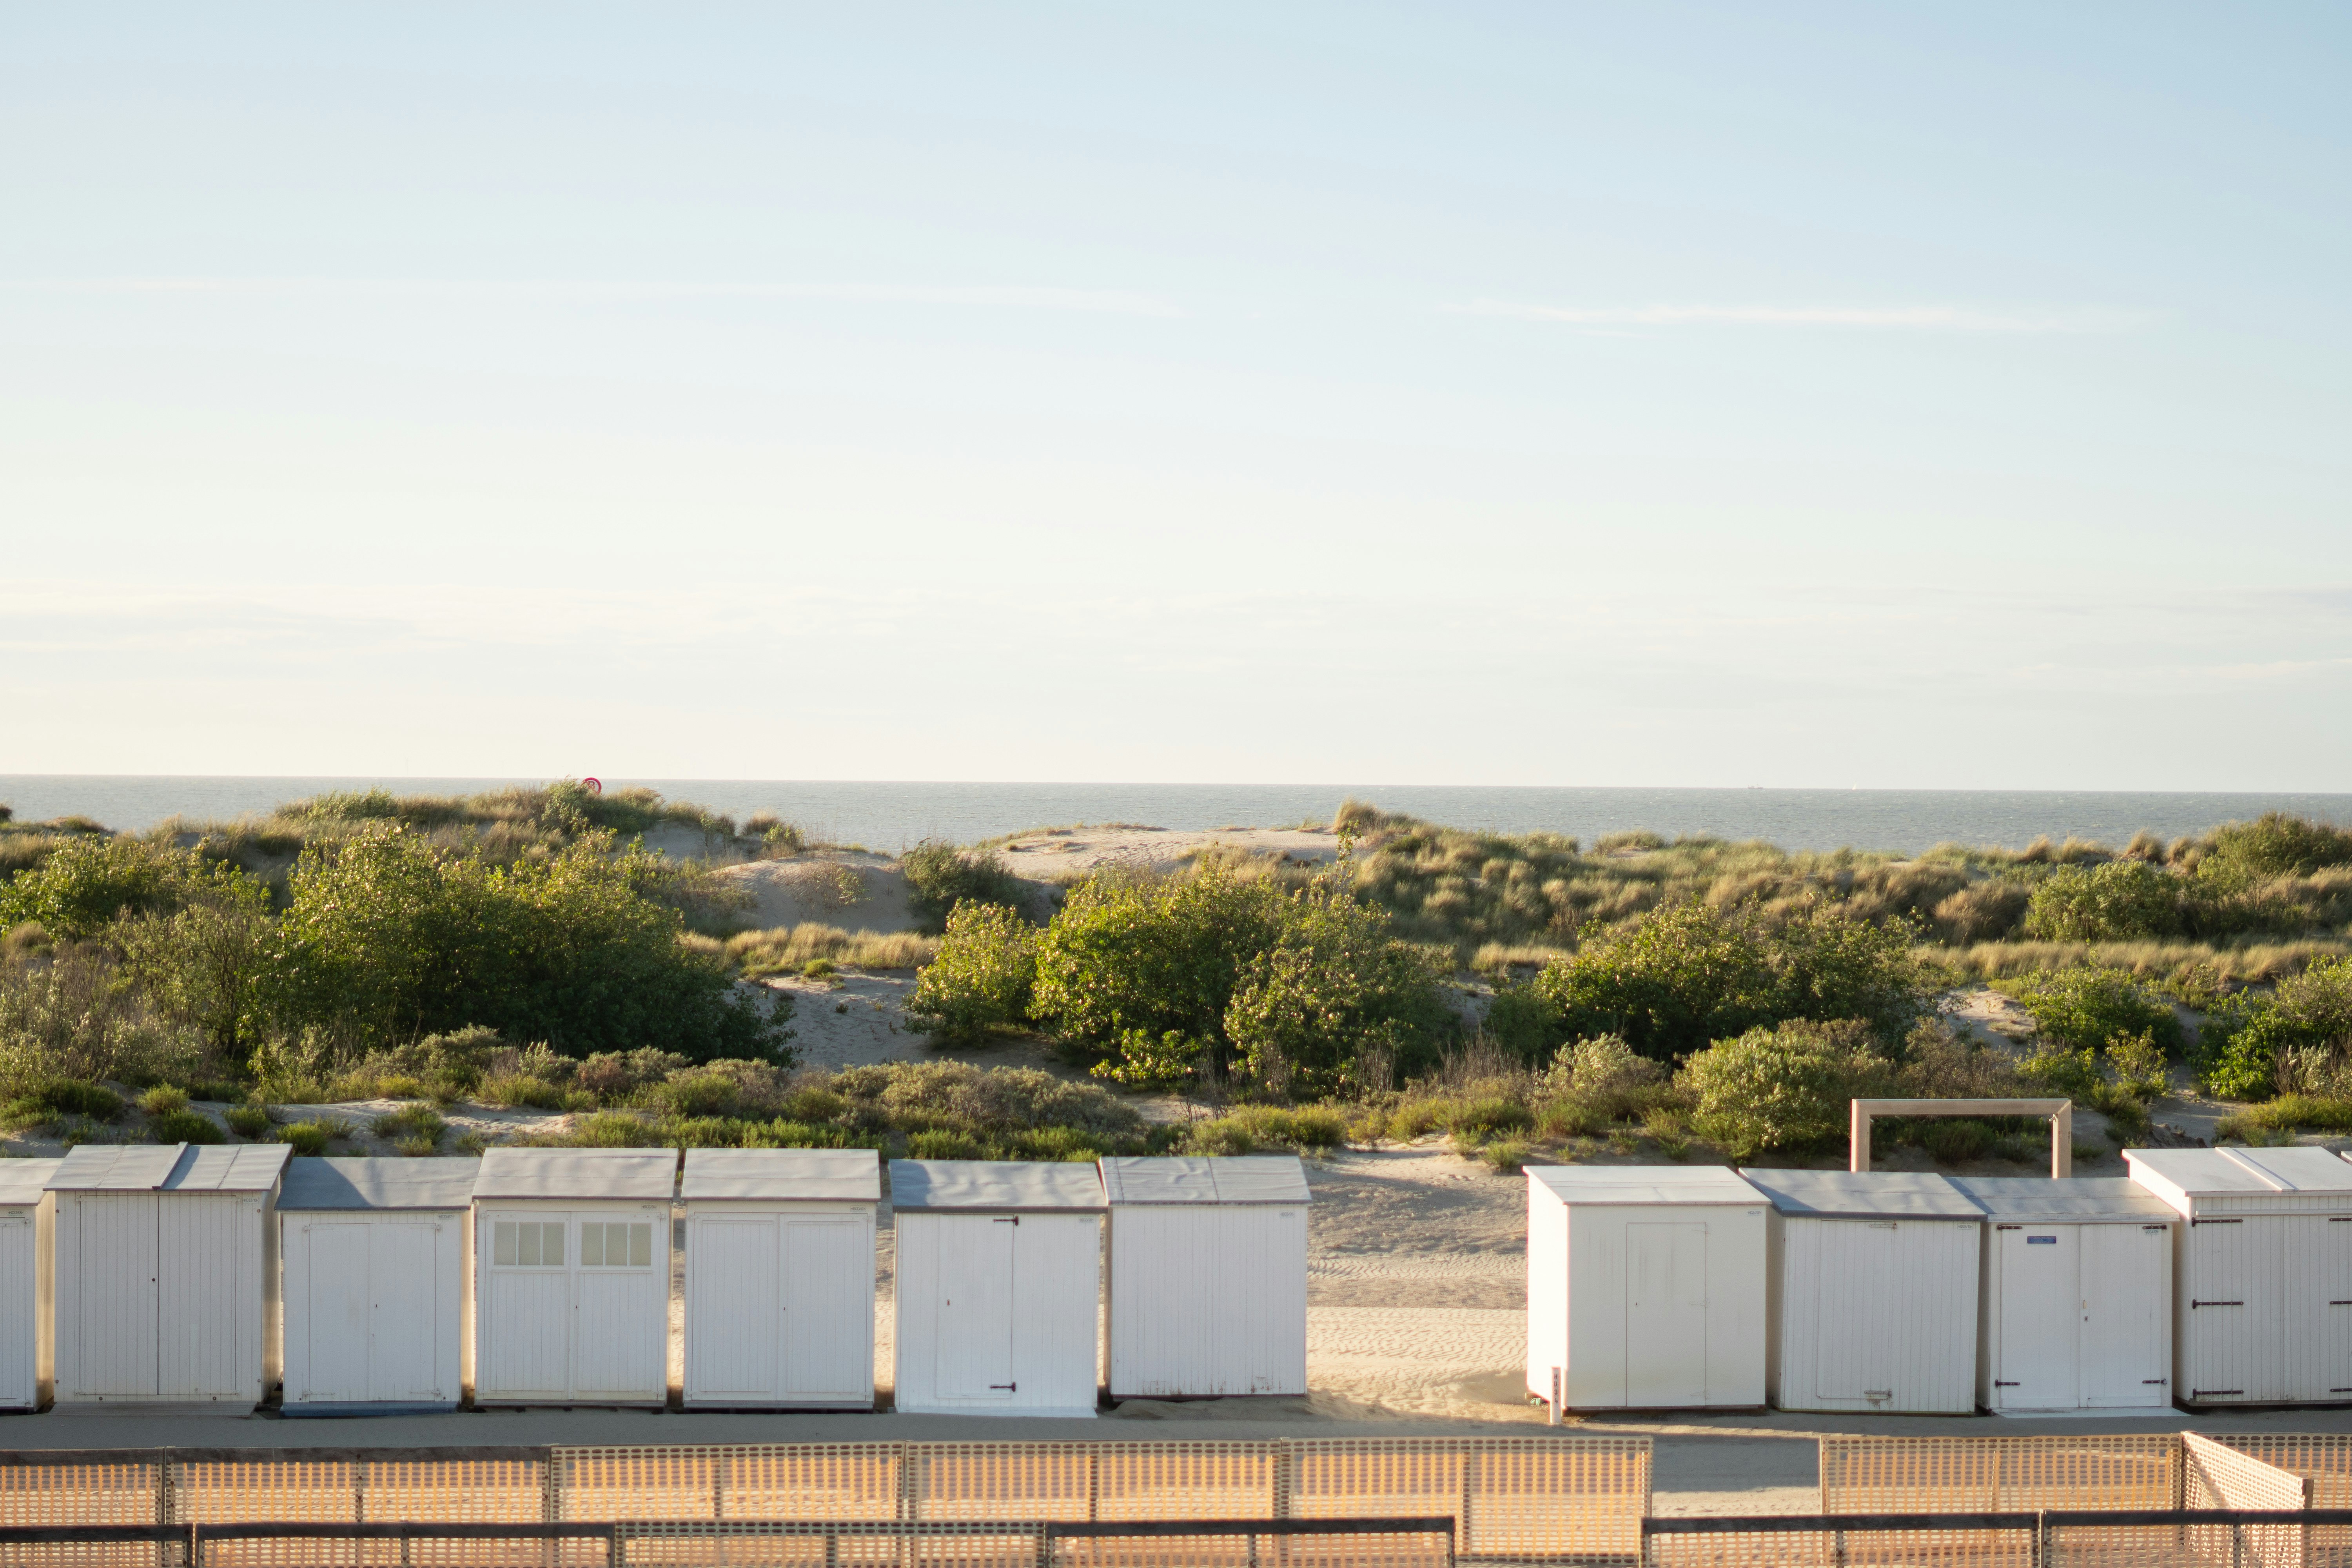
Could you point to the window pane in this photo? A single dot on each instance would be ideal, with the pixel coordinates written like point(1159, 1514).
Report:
point(502, 1249)
point(641, 1245)
point(555, 1244)
point(592, 1245)
point(528, 1255)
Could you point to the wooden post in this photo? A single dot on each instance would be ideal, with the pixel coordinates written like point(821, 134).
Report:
point(2060, 1111)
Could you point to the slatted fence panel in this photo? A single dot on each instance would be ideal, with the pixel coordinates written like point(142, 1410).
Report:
point(1997, 1475)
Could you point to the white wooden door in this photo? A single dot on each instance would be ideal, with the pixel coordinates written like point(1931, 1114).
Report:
point(1853, 1348)
point(404, 1358)
point(621, 1291)
point(115, 1264)
point(18, 1310)
point(525, 1306)
point(977, 1259)
point(2318, 1307)
point(1666, 1314)
point(202, 1298)
point(339, 1309)
point(2237, 1280)
point(2127, 1295)
point(2041, 1312)
point(734, 1308)
point(828, 1278)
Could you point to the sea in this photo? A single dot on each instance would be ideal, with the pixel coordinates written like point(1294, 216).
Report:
point(890, 815)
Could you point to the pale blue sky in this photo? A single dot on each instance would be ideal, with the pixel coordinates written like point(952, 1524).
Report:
point(1670, 395)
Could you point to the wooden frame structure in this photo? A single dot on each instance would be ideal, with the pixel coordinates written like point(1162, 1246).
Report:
point(2061, 1113)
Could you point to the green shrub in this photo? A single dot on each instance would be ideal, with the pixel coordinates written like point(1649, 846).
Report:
point(1507, 1155)
point(1688, 974)
point(412, 1122)
point(917, 1096)
point(818, 969)
point(982, 979)
point(2297, 1037)
point(2273, 844)
point(1603, 1075)
point(513, 1090)
point(1485, 1118)
point(185, 1126)
point(1525, 1022)
point(1570, 1119)
point(247, 1120)
point(87, 883)
point(1337, 1003)
point(1783, 1089)
point(1418, 1117)
point(162, 1099)
point(943, 1145)
point(67, 1097)
point(940, 877)
point(2083, 1008)
point(1063, 1144)
point(1955, 1140)
point(2055, 1070)
point(2288, 1112)
point(2122, 900)
point(1246, 1129)
point(386, 935)
point(306, 1138)
point(417, 1147)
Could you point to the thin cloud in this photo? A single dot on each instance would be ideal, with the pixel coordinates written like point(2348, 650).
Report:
point(1898, 318)
point(986, 296)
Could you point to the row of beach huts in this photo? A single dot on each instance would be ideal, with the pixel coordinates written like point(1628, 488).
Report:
point(2206, 1278)
point(148, 1274)
point(168, 1273)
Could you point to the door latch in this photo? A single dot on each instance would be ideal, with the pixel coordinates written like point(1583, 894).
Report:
point(1008, 1388)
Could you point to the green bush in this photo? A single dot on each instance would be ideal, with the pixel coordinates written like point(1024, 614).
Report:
point(247, 1120)
point(2300, 1032)
point(1690, 973)
point(309, 1139)
point(87, 883)
point(943, 1145)
point(162, 1099)
point(1337, 1003)
point(420, 1122)
point(513, 1090)
point(185, 1126)
point(940, 877)
point(66, 1097)
point(1249, 1127)
point(1485, 1118)
point(1525, 1022)
point(2084, 1007)
point(982, 979)
point(917, 1096)
point(1783, 1089)
point(389, 936)
point(2122, 900)
point(2273, 844)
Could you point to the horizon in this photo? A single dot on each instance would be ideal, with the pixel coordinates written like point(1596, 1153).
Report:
point(1855, 399)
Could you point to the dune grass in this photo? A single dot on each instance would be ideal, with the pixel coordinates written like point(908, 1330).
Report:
point(791, 950)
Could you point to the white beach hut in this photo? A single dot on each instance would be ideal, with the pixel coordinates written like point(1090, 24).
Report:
point(1872, 1288)
point(27, 1213)
point(1645, 1286)
point(2261, 1306)
point(374, 1284)
point(779, 1277)
point(1208, 1276)
point(165, 1272)
point(571, 1251)
point(2075, 1307)
point(999, 1285)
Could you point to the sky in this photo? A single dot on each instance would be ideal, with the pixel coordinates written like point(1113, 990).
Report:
point(1810, 394)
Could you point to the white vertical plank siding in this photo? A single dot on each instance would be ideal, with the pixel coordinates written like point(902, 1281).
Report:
point(1208, 1299)
point(779, 1278)
point(412, 1353)
point(1646, 1288)
point(373, 1265)
point(829, 1310)
point(734, 1293)
point(19, 1311)
point(526, 1335)
point(1874, 1293)
point(572, 1331)
point(998, 1317)
point(2126, 1353)
point(328, 1309)
point(106, 1299)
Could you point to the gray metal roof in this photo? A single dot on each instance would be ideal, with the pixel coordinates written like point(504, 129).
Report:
point(1003, 1185)
point(845, 1175)
point(2026, 1199)
point(1863, 1194)
point(2203, 1172)
point(2297, 1170)
point(444, 1184)
point(1192, 1179)
point(604, 1175)
point(23, 1180)
point(170, 1168)
point(1643, 1183)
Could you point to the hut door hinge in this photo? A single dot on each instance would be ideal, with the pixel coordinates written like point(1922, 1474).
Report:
point(2194, 1305)
point(1999, 1383)
point(1008, 1388)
